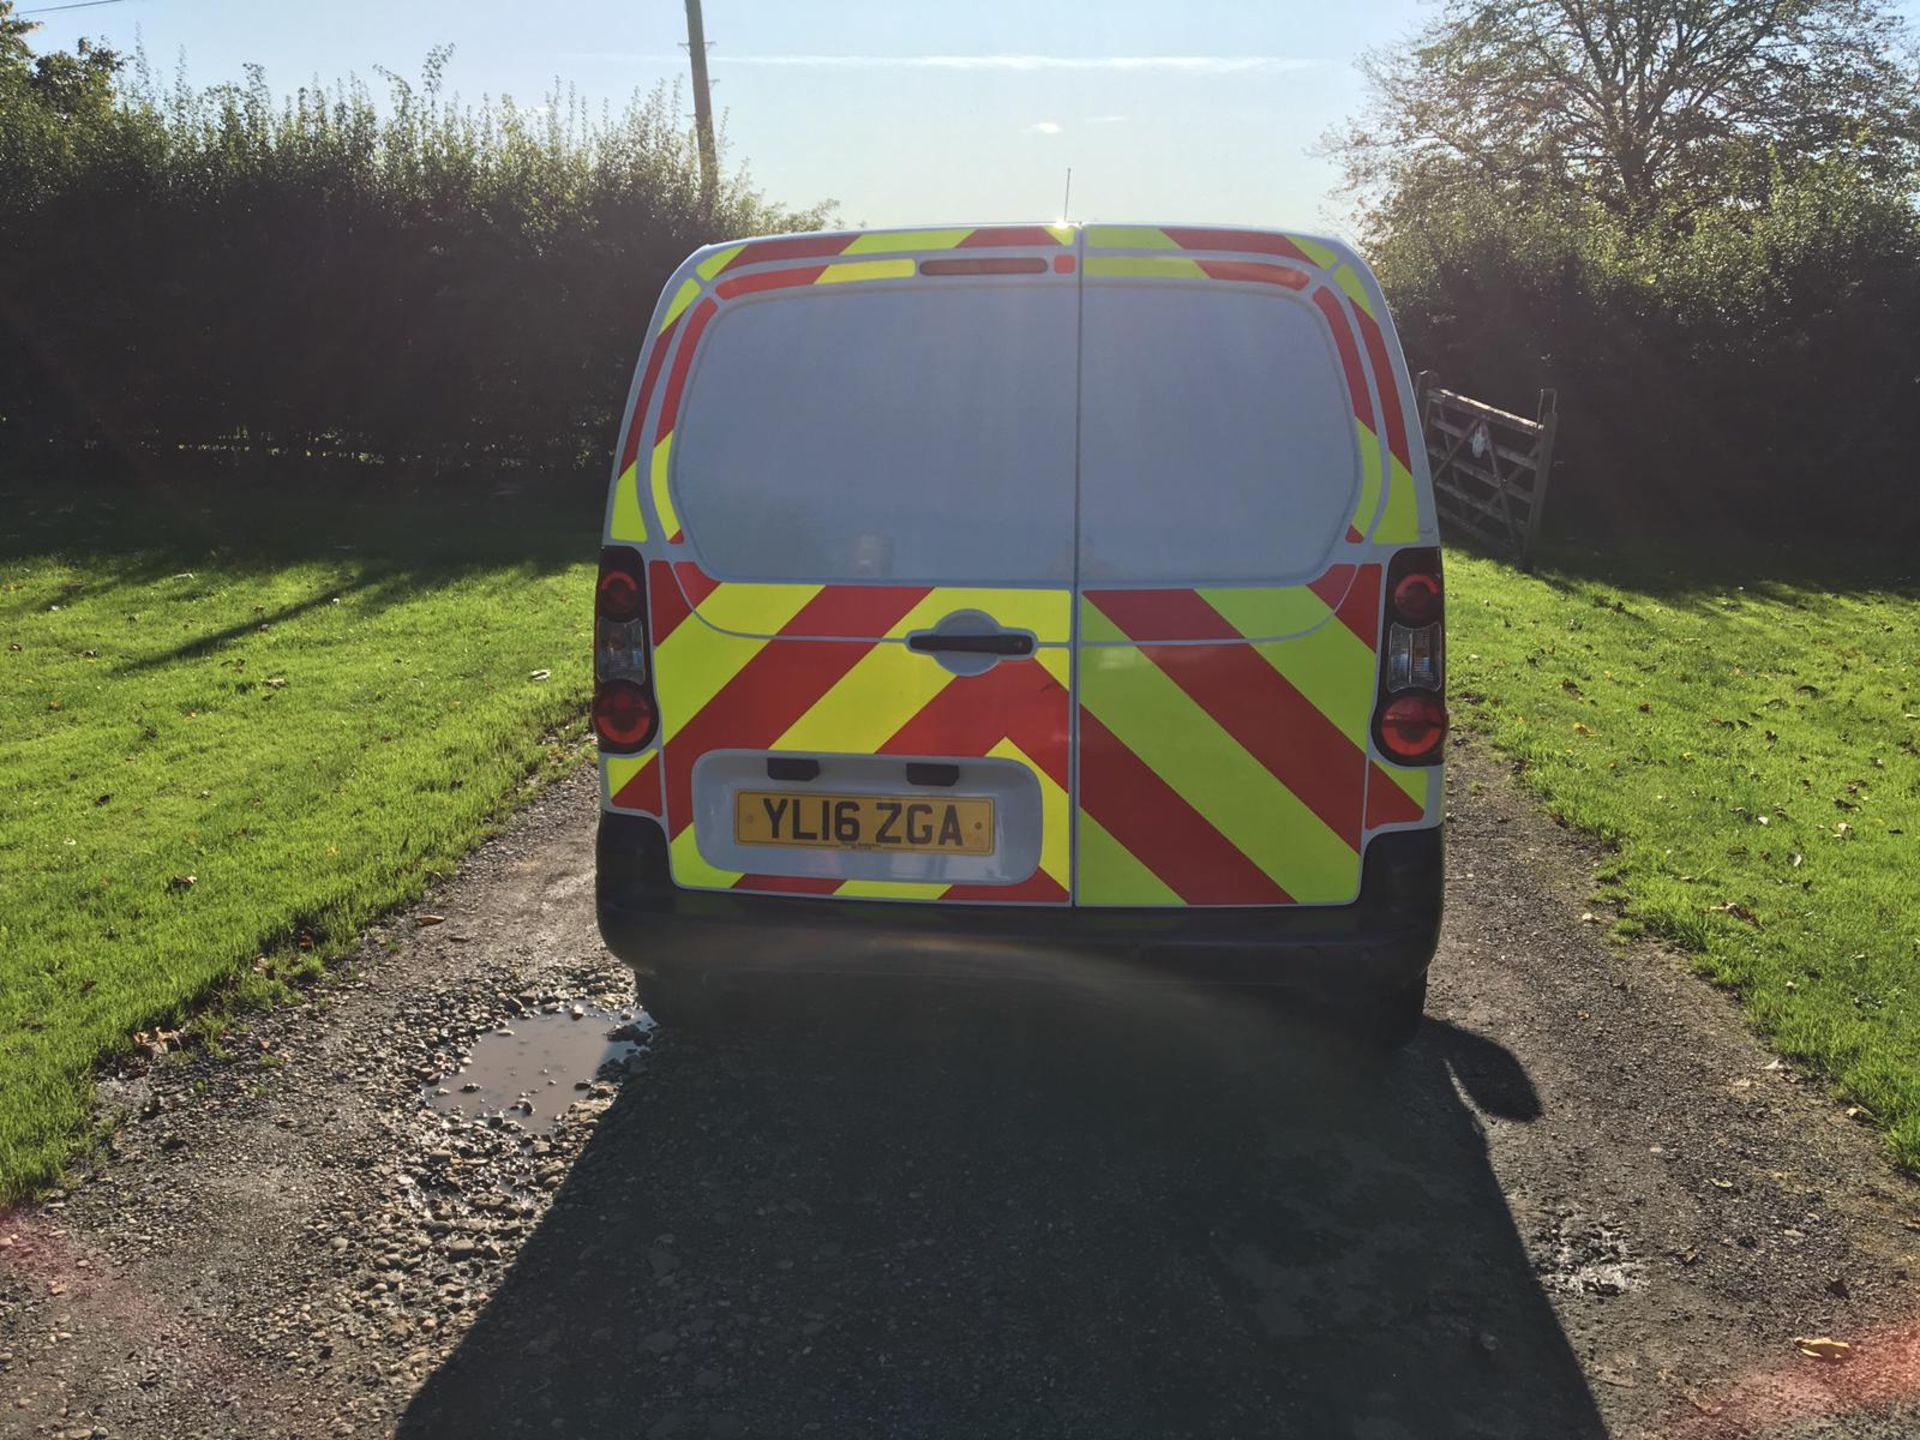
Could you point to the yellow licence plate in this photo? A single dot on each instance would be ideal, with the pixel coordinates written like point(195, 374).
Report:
point(863, 822)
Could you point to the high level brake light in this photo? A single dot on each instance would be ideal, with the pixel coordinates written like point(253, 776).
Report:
point(624, 715)
point(1410, 721)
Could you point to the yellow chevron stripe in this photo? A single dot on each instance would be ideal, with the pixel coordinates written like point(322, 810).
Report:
point(1321, 255)
point(1047, 613)
point(1333, 668)
point(718, 261)
point(1267, 614)
point(1400, 523)
point(697, 660)
point(683, 297)
point(1349, 282)
point(1144, 267)
point(885, 689)
point(1371, 449)
point(1063, 233)
point(1128, 237)
point(617, 770)
point(866, 270)
point(1057, 663)
point(1415, 781)
point(753, 611)
point(627, 522)
point(892, 890)
point(881, 242)
point(662, 499)
point(690, 867)
point(1110, 874)
point(1153, 717)
point(1055, 838)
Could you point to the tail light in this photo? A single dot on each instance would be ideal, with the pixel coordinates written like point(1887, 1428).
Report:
point(1410, 722)
point(624, 715)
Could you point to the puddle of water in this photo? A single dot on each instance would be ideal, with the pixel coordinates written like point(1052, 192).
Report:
point(531, 1069)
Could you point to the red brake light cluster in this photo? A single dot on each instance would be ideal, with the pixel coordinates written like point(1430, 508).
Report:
point(1416, 598)
point(1410, 721)
point(624, 715)
point(619, 596)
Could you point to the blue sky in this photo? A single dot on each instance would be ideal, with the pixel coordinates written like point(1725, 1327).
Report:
point(902, 111)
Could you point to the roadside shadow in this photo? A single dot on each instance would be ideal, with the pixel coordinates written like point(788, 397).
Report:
point(1698, 573)
point(170, 515)
point(1016, 1211)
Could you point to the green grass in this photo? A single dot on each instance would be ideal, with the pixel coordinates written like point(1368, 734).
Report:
point(1751, 747)
point(233, 729)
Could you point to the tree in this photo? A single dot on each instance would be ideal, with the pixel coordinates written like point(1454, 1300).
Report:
point(1651, 109)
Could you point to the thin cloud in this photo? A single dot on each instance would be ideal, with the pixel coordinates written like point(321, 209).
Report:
point(1045, 127)
point(1177, 64)
point(1107, 120)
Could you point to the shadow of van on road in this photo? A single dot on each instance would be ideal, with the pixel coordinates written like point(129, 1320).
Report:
point(1018, 1211)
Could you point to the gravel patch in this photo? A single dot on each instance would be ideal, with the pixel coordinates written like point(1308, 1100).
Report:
point(1585, 1202)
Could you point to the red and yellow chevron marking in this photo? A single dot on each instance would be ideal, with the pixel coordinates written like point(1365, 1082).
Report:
point(1223, 731)
point(773, 676)
point(1219, 766)
point(633, 781)
point(1224, 746)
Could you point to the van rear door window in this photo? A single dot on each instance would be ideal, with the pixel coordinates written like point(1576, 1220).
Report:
point(921, 433)
point(1217, 437)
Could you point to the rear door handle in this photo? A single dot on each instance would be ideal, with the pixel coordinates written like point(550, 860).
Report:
point(1004, 643)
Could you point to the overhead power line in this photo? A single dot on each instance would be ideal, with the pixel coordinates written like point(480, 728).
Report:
point(77, 5)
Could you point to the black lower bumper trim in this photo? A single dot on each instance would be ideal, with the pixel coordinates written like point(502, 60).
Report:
point(1383, 941)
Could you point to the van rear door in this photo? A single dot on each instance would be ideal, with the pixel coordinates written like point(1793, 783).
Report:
point(861, 569)
point(1229, 588)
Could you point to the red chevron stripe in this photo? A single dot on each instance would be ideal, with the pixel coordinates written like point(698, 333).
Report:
point(697, 319)
point(642, 792)
point(769, 280)
point(854, 612)
point(1247, 242)
point(1389, 393)
point(799, 247)
point(1149, 615)
point(790, 884)
point(656, 356)
point(1255, 271)
point(1037, 887)
point(1009, 235)
point(1161, 830)
point(667, 602)
point(1387, 803)
point(695, 582)
point(783, 681)
point(1359, 608)
point(1253, 702)
point(1016, 700)
point(1336, 317)
point(1332, 586)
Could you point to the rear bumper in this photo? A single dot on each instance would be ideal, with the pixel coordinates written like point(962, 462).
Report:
point(1382, 942)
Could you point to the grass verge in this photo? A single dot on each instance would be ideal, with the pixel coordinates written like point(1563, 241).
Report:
point(1751, 748)
point(242, 729)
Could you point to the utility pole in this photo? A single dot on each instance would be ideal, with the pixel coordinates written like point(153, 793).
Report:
point(702, 105)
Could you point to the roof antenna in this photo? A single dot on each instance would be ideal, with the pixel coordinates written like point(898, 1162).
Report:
point(1066, 201)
